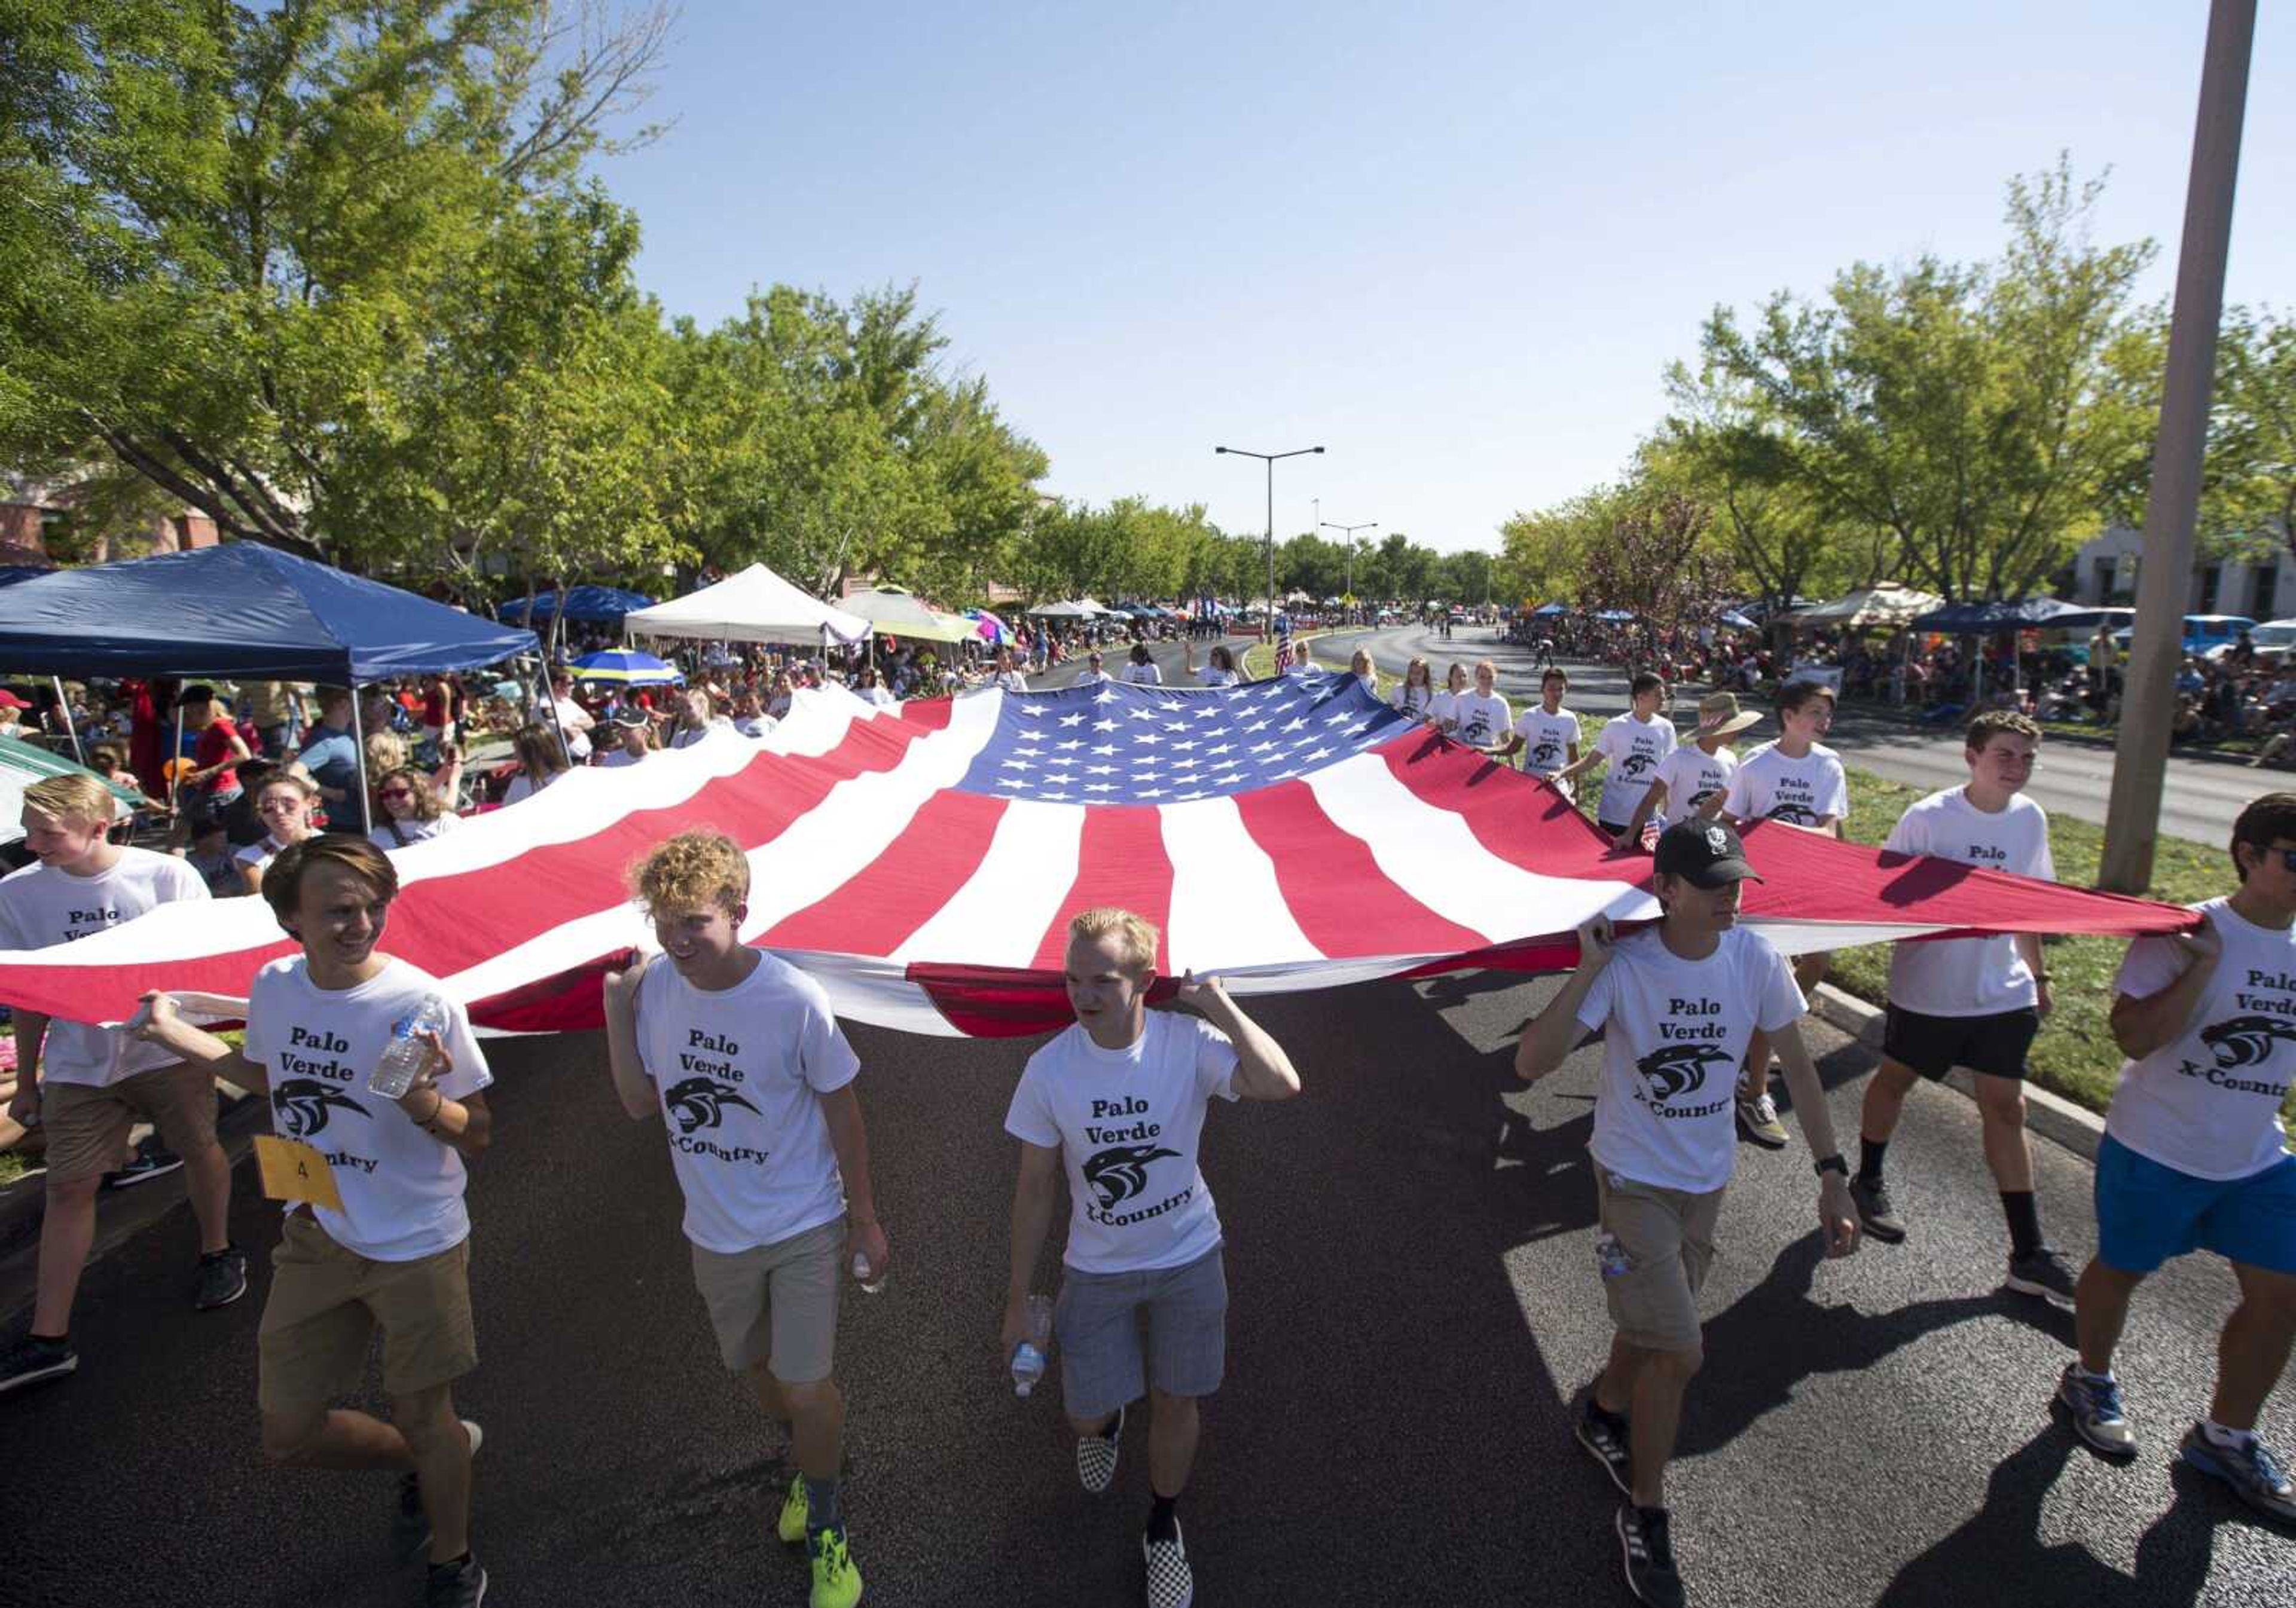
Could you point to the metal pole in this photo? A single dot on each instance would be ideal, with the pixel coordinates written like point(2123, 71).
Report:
point(1271, 555)
point(175, 753)
point(2172, 507)
point(358, 738)
point(63, 707)
point(548, 700)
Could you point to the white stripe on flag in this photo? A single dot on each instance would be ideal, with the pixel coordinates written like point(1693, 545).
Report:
point(1004, 907)
point(1226, 904)
point(862, 817)
point(1432, 854)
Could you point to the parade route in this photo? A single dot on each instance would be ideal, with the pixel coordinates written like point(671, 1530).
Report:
point(2074, 777)
point(1413, 1305)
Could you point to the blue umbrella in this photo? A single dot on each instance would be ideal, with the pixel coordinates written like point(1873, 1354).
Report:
point(1546, 609)
point(625, 665)
point(1736, 621)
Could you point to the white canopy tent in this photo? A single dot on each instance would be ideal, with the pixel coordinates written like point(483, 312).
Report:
point(752, 605)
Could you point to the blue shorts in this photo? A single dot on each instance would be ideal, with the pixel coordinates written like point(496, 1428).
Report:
point(2146, 1213)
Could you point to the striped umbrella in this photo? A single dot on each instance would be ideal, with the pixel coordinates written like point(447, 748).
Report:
point(625, 665)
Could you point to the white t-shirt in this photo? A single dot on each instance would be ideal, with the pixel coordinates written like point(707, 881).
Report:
point(1127, 1123)
point(739, 1073)
point(1631, 750)
point(40, 906)
point(411, 832)
point(1011, 680)
point(574, 721)
point(1691, 776)
point(685, 736)
point(1143, 675)
point(1212, 675)
point(879, 695)
point(1969, 976)
point(758, 725)
point(259, 854)
point(1677, 1030)
point(1548, 740)
point(1480, 718)
point(614, 759)
point(1444, 706)
point(2208, 1102)
point(402, 1189)
point(1771, 785)
point(1413, 701)
point(524, 787)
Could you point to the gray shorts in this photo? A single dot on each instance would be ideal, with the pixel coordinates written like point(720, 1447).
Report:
point(1097, 1319)
point(777, 1304)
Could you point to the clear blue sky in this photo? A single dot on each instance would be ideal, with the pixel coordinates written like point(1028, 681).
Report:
point(1453, 244)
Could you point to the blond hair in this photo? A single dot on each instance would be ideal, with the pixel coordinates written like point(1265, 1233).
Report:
point(76, 796)
point(1135, 936)
point(692, 871)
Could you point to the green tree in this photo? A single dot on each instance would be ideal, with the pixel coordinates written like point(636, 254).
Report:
point(2249, 507)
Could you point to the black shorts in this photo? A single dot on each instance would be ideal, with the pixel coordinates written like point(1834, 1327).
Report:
point(1933, 1046)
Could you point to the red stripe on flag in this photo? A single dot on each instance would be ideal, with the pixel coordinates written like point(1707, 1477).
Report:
point(1336, 891)
point(1120, 861)
point(874, 911)
point(1517, 818)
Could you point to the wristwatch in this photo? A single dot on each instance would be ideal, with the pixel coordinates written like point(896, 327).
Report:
point(1832, 1164)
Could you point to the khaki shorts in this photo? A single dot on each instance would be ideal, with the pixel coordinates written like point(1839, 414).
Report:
point(1666, 1238)
point(327, 1302)
point(87, 1126)
point(777, 1304)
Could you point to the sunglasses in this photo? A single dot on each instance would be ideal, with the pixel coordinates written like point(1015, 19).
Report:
point(388, 794)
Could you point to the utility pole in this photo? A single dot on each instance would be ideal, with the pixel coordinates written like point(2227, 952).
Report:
point(2148, 687)
point(1268, 632)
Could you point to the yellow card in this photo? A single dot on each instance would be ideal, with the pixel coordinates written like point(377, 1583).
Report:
point(293, 1170)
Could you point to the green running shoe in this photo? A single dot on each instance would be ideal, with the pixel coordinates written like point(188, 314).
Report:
point(836, 1582)
point(793, 1512)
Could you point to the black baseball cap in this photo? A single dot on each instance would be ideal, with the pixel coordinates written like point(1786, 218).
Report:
point(1705, 853)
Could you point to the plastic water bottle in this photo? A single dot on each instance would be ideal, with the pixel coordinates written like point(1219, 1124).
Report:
point(869, 1286)
point(1029, 1356)
point(409, 1051)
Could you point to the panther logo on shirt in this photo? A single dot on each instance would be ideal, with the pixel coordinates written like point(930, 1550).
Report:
point(1679, 1068)
point(1546, 755)
point(1637, 763)
point(2246, 1040)
point(1121, 1171)
point(1793, 815)
point(300, 1105)
point(700, 1103)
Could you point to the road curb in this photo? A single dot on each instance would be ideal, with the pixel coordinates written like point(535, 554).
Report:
point(2051, 1116)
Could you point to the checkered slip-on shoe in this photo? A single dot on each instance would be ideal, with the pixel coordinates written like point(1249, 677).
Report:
point(1172, 1584)
point(1096, 1456)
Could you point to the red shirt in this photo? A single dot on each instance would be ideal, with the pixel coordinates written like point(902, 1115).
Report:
point(214, 748)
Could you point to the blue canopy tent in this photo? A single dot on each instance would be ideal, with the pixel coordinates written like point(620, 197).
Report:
point(240, 610)
point(2023, 614)
point(1546, 609)
point(1615, 616)
point(590, 604)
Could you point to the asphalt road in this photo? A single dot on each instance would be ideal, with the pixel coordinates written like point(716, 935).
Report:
point(2200, 802)
point(1413, 1305)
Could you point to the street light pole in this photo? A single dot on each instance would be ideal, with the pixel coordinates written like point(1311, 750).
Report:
point(1350, 530)
point(1270, 459)
point(2132, 816)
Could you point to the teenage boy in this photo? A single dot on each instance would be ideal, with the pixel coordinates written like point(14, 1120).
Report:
point(1631, 745)
point(739, 1054)
point(1119, 1098)
point(397, 1256)
point(1480, 717)
point(1548, 735)
point(1677, 1004)
point(1692, 780)
point(86, 1085)
point(1973, 1002)
point(1799, 780)
point(2194, 1155)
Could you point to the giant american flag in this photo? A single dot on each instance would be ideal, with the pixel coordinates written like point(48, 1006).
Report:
point(922, 860)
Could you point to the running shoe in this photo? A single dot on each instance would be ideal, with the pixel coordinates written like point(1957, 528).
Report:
point(790, 1527)
point(152, 1160)
point(223, 1279)
point(2044, 1273)
point(1604, 1434)
point(32, 1359)
point(836, 1582)
point(2092, 1407)
point(1758, 1119)
point(1877, 1213)
point(1171, 1583)
point(410, 1526)
point(1648, 1552)
point(1096, 1456)
point(462, 1585)
point(2249, 1468)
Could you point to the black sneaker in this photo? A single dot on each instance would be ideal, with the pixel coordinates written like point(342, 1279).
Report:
point(1649, 1554)
point(152, 1160)
point(223, 1279)
point(1604, 1434)
point(2044, 1273)
point(1877, 1214)
point(33, 1358)
point(410, 1526)
point(462, 1585)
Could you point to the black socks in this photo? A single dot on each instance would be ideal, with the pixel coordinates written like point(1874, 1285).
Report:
point(1163, 1523)
point(2024, 1214)
point(1869, 1159)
